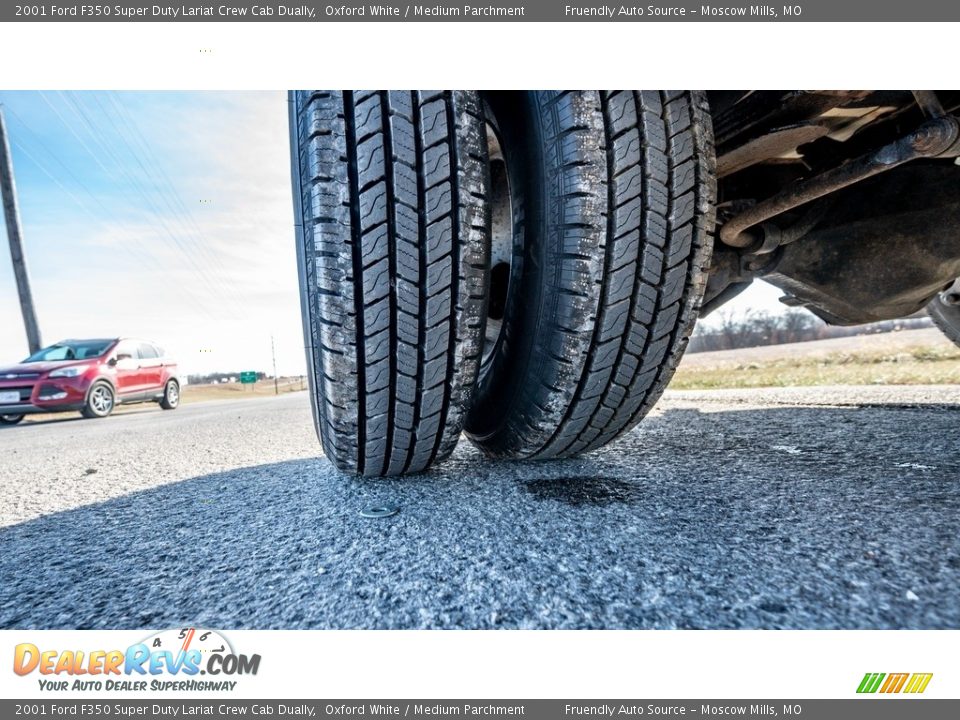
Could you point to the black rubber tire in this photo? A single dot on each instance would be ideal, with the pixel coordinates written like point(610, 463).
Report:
point(613, 196)
point(166, 402)
point(946, 317)
point(10, 419)
point(393, 254)
point(89, 411)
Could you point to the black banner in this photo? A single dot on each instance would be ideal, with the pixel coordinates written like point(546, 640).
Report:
point(873, 708)
point(482, 11)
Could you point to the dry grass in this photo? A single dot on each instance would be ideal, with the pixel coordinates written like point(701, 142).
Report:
point(922, 365)
point(238, 391)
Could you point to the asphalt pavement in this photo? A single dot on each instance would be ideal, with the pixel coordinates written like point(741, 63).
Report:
point(793, 508)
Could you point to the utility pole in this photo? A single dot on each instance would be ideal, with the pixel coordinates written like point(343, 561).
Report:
point(273, 352)
point(8, 190)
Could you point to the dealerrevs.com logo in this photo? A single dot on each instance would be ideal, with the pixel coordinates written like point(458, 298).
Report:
point(910, 683)
point(181, 653)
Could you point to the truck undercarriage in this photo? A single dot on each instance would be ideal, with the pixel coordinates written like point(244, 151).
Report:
point(848, 201)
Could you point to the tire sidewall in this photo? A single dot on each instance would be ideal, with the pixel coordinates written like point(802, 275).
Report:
point(165, 402)
point(10, 419)
point(947, 318)
point(89, 411)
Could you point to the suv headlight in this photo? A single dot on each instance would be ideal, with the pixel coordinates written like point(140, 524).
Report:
point(68, 372)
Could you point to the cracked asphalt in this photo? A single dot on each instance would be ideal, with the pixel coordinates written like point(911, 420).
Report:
point(773, 508)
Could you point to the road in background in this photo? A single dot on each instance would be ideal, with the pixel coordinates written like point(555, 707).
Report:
point(795, 508)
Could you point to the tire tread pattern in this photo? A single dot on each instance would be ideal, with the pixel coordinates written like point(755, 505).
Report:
point(394, 187)
point(629, 202)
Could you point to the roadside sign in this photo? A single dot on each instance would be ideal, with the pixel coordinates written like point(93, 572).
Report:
point(248, 376)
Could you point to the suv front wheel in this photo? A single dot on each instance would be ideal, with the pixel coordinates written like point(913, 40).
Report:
point(100, 400)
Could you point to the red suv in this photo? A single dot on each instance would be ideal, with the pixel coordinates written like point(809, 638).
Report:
point(92, 376)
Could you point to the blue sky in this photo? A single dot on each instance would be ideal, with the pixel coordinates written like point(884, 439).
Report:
point(162, 215)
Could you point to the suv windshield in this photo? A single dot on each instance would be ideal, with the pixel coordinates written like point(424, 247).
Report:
point(78, 350)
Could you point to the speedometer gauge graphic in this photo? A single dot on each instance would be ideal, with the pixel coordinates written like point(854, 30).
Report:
point(177, 640)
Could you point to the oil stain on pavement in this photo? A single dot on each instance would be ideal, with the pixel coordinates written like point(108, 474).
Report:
point(582, 490)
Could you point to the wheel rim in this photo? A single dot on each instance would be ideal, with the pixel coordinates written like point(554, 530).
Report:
point(501, 245)
point(101, 399)
point(173, 394)
point(951, 296)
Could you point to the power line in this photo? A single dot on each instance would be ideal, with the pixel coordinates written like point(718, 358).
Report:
point(250, 219)
point(133, 249)
point(130, 248)
point(136, 185)
point(165, 188)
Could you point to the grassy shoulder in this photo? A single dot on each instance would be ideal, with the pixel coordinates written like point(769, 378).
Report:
point(239, 391)
point(922, 359)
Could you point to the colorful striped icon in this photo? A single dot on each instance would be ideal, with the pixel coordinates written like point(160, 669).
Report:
point(913, 683)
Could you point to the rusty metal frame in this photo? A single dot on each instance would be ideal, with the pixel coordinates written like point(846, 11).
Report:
point(938, 137)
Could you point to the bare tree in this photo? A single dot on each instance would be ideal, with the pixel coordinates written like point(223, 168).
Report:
point(749, 329)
